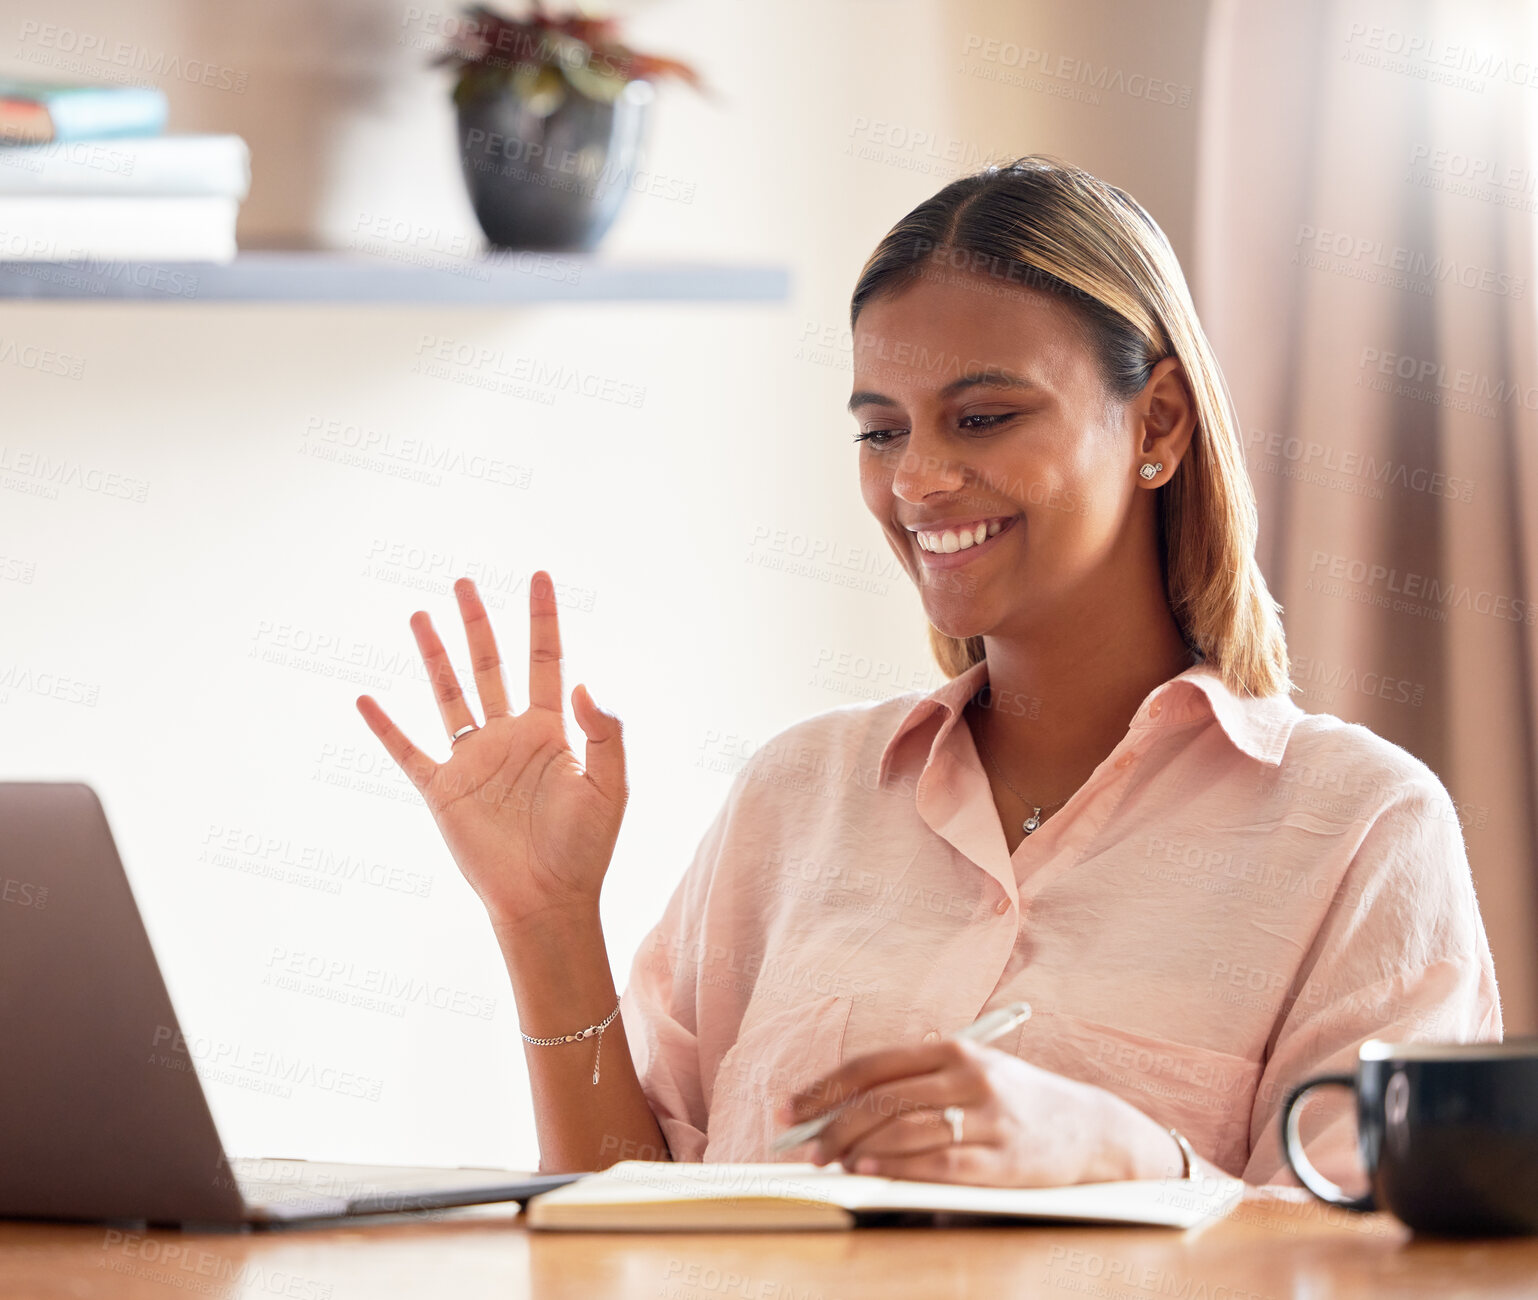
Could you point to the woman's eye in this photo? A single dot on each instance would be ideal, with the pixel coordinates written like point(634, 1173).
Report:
point(972, 423)
point(987, 421)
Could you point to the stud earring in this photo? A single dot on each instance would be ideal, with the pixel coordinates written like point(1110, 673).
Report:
point(1148, 471)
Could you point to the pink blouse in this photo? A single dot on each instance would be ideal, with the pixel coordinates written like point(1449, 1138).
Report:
point(1239, 896)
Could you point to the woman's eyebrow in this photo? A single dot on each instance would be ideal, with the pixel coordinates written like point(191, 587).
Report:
point(992, 378)
point(864, 397)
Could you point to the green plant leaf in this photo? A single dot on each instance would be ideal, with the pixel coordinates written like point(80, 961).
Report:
point(598, 85)
point(479, 81)
point(542, 89)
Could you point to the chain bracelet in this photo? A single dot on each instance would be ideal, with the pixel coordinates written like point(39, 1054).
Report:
point(590, 1032)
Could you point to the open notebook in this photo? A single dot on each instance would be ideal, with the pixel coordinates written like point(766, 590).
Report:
point(661, 1196)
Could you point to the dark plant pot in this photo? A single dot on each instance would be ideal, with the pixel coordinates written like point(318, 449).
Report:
point(554, 181)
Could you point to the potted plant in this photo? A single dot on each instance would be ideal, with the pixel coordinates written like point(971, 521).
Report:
point(552, 111)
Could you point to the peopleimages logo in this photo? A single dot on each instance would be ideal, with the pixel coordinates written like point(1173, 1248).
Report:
point(1411, 263)
point(1426, 373)
point(1309, 453)
point(1475, 168)
point(68, 50)
point(1421, 586)
point(1093, 77)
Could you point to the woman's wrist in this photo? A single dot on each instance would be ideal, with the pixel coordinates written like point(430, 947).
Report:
point(556, 923)
point(558, 963)
point(1135, 1146)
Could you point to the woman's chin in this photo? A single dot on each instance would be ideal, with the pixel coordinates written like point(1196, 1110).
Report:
point(959, 624)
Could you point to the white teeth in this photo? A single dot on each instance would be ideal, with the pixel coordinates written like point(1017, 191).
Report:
point(952, 540)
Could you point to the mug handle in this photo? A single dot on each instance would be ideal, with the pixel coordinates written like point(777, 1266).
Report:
point(1292, 1145)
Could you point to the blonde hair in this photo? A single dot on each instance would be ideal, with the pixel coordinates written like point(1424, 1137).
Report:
point(1047, 225)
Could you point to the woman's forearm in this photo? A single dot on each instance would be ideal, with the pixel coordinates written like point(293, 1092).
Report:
point(559, 967)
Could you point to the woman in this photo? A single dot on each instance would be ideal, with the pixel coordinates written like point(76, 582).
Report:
point(1112, 810)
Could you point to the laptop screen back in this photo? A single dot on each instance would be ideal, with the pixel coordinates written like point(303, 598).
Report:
point(101, 1112)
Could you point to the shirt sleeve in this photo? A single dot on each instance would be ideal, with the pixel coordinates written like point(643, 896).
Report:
point(1401, 956)
point(660, 1004)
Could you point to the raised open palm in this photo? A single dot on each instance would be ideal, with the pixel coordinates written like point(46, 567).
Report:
point(530, 827)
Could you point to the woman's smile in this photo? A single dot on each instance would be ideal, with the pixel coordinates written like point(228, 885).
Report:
point(953, 546)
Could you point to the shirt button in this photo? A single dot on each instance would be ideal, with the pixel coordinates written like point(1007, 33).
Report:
point(1155, 708)
point(1125, 759)
point(1001, 906)
point(933, 1036)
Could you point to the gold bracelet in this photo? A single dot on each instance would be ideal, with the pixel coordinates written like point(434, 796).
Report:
point(1187, 1156)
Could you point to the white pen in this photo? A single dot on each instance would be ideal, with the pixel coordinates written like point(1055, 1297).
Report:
point(982, 1030)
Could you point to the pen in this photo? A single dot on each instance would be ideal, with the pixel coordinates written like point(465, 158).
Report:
point(982, 1030)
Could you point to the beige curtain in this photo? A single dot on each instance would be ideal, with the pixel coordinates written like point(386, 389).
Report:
point(1367, 209)
point(1366, 214)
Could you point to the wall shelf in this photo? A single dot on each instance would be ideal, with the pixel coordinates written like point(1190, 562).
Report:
point(494, 279)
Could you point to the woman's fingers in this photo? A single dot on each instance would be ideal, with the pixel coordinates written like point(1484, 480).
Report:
point(544, 645)
point(914, 1132)
point(451, 700)
point(903, 1115)
point(605, 757)
point(862, 1073)
point(413, 762)
point(968, 1163)
point(484, 659)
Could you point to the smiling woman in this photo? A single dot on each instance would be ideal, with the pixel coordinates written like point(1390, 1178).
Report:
point(1112, 810)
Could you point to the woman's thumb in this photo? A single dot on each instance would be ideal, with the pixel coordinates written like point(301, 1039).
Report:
point(605, 755)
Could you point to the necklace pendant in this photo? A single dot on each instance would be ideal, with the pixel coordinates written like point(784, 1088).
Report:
point(1032, 822)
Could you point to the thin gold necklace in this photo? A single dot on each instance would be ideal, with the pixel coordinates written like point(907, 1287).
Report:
point(1034, 820)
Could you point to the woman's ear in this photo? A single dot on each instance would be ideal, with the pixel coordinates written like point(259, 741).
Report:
point(1165, 414)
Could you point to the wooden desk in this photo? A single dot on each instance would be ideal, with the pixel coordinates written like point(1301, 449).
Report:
point(1269, 1247)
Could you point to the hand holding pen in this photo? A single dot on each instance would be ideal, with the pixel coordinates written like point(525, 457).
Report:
point(985, 1029)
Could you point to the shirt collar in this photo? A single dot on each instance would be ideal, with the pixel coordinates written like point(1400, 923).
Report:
point(1256, 725)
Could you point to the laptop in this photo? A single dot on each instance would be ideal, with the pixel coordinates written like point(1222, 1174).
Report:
point(102, 1114)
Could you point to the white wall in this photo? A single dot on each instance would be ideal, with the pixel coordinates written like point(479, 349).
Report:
point(184, 612)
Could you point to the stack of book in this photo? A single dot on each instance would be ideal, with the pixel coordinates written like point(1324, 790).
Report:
point(86, 173)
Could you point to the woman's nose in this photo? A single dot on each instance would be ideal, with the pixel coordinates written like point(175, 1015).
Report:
point(923, 469)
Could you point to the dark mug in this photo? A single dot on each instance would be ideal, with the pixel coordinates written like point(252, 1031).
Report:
point(1448, 1133)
